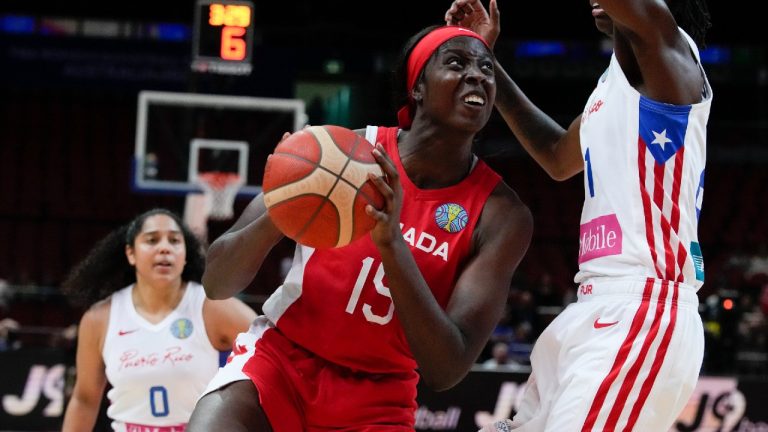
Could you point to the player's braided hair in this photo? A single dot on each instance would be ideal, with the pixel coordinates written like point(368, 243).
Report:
point(106, 269)
point(693, 16)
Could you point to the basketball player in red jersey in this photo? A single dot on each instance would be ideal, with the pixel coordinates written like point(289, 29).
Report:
point(342, 339)
point(626, 356)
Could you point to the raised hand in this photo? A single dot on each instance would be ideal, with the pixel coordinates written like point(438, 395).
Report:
point(473, 15)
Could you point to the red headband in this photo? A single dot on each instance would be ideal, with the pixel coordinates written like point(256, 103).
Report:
point(418, 58)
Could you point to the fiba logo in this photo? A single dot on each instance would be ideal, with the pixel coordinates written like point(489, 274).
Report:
point(181, 328)
point(451, 217)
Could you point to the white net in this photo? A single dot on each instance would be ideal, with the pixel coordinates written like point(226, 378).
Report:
point(220, 189)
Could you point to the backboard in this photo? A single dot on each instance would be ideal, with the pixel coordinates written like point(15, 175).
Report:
point(179, 135)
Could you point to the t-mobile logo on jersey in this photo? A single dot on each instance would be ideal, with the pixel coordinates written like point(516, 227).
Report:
point(600, 237)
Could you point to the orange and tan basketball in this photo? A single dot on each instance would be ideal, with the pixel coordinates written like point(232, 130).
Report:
point(316, 186)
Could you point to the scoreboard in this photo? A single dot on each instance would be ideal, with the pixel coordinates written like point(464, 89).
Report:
point(223, 37)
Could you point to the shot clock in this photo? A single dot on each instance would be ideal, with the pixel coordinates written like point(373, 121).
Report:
point(223, 37)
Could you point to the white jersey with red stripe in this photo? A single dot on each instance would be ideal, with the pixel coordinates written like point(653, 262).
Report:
point(157, 371)
point(626, 356)
point(644, 183)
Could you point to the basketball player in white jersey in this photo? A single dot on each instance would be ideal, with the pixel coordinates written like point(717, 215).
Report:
point(156, 338)
point(627, 355)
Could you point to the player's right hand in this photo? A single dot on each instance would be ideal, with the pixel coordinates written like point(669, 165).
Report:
point(473, 15)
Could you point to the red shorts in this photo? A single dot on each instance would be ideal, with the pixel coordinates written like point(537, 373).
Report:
point(302, 392)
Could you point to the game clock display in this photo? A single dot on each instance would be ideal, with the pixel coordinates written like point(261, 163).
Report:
point(223, 37)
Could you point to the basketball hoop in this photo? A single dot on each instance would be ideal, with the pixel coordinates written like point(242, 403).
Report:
point(220, 190)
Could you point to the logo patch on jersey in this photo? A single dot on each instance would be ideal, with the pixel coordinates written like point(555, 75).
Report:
point(662, 128)
point(182, 328)
point(698, 261)
point(126, 332)
point(600, 237)
point(599, 325)
point(451, 217)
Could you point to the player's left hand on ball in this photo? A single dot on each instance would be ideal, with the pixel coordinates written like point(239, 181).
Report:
point(387, 218)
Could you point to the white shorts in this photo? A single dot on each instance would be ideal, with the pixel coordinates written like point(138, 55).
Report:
point(625, 357)
point(243, 349)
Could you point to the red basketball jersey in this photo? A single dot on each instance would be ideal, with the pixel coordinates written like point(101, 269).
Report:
point(336, 303)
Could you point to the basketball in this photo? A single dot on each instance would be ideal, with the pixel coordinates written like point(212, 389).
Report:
point(316, 186)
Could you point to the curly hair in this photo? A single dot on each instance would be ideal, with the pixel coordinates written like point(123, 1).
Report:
point(106, 269)
point(693, 16)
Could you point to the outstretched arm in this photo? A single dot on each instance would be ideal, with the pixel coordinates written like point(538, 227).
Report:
point(652, 52)
point(557, 150)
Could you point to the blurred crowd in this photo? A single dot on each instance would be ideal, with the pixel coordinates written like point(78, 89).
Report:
point(735, 316)
point(734, 310)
